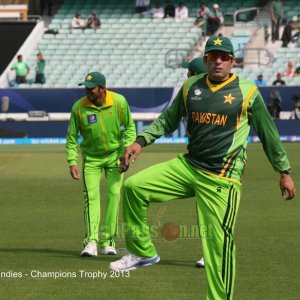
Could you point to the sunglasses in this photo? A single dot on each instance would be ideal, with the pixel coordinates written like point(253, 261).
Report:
point(213, 56)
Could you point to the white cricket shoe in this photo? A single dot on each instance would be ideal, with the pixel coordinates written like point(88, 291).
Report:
point(90, 249)
point(131, 262)
point(109, 250)
point(200, 263)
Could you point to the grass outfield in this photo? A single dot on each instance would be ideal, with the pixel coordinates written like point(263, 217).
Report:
point(42, 230)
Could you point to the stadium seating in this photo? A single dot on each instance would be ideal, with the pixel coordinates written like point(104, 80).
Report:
point(119, 49)
point(131, 51)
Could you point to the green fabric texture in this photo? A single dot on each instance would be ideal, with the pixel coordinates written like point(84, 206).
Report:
point(105, 132)
point(40, 67)
point(218, 124)
point(21, 68)
point(93, 167)
point(103, 129)
point(177, 179)
point(218, 129)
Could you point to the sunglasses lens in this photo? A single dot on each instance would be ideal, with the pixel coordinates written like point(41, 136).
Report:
point(223, 56)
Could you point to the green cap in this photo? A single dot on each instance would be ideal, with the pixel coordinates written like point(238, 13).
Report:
point(93, 79)
point(196, 66)
point(215, 43)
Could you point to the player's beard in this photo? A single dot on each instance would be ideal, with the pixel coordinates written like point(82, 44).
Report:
point(94, 98)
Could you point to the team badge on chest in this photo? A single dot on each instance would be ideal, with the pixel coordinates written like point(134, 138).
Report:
point(92, 118)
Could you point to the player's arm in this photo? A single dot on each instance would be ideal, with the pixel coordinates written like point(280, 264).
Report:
point(268, 134)
point(72, 144)
point(129, 136)
point(130, 130)
point(166, 123)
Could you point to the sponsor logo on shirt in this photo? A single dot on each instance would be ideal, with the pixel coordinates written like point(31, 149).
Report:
point(197, 93)
point(92, 118)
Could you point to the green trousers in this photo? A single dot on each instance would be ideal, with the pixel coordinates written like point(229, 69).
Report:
point(92, 172)
point(217, 202)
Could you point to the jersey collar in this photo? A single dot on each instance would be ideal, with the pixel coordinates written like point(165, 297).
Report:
point(108, 101)
point(214, 88)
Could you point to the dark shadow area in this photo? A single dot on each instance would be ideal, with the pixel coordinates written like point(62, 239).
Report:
point(14, 34)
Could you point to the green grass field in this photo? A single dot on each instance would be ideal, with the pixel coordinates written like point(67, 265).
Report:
point(42, 230)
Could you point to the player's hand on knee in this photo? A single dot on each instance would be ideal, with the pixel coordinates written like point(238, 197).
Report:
point(130, 155)
point(132, 152)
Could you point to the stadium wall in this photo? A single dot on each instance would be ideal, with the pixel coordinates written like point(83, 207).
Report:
point(139, 99)
point(143, 102)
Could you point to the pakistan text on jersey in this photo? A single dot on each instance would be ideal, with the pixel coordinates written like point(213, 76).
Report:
point(209, 118)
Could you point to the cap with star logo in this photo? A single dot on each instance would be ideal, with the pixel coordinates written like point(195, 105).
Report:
point(93, 79)
point(215, 43)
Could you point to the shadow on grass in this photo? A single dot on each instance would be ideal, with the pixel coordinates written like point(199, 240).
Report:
point(55, 252)
point(165, 262)
point(76, 254)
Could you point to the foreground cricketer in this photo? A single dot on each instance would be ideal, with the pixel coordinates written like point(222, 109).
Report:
point(104, 121)
point(220, 107)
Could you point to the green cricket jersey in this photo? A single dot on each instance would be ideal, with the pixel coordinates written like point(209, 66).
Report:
point(21, 68)
point(103, 129)
point(218, 124)
point(40, 66)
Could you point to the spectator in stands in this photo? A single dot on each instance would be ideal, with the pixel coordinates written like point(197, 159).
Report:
point(295, 113)
point(266, 32)
point(260, 80)
point(201, 21)
point(157, 12)
point(287, 33)
point(21, 68)
point(204, 10)
point(77, 22)
point(40, 69)
point(278, 80)
point(169, 11)
point(290, 69)
point(142, 6)
point(276, 18)
point(275, 104)
point(296, 36)
point(93, 22)
point(215, 19)
point(181, 11)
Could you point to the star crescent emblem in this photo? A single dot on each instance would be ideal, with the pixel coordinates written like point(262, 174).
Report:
point(228, 99)
point(89, 77)
point(218, 42)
